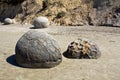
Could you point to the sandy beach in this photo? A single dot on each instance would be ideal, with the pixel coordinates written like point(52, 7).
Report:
point(107, 67)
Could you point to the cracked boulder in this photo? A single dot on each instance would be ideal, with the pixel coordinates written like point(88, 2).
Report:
point(36, 49)
point(82, 49)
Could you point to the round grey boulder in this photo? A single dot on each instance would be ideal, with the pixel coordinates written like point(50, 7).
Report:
point(41, 22)
point(82, 48)
point(36, 49)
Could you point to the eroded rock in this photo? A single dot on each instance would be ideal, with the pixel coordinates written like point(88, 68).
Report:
point(82, 48)
point(36, 49)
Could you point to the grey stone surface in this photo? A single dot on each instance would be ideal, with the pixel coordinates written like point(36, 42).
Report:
point(36, 49)
point(8, 21)
point(41, 22)
point(105, 13)
point(82, 48)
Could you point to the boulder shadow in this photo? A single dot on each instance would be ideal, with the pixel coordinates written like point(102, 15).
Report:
point(11, 60)
point(65, 54)
point(70, 56)
point(32, 27)
point(36, 27)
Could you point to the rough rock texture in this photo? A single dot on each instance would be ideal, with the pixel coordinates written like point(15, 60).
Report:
point(67, 12)
point(105, 13)
point(82, 48)
point(41, 22)
point(37, 49)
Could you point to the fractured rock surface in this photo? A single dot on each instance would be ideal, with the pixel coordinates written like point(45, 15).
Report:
point(105, 13)
point(82, 48)
point(37, 49)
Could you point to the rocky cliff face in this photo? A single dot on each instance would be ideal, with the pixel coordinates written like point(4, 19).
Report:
point(63, 12)
point(60, 12)
point(67, 12)
point(9, 9)
point(105, 12)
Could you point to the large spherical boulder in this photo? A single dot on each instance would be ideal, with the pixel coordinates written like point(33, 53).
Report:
point(36, 49)
point(41, 22)
point(82, 48)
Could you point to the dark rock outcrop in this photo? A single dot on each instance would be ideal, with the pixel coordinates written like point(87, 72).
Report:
point(105, 13)
point(21, 10)
point(36, 49)
point(13, 2)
